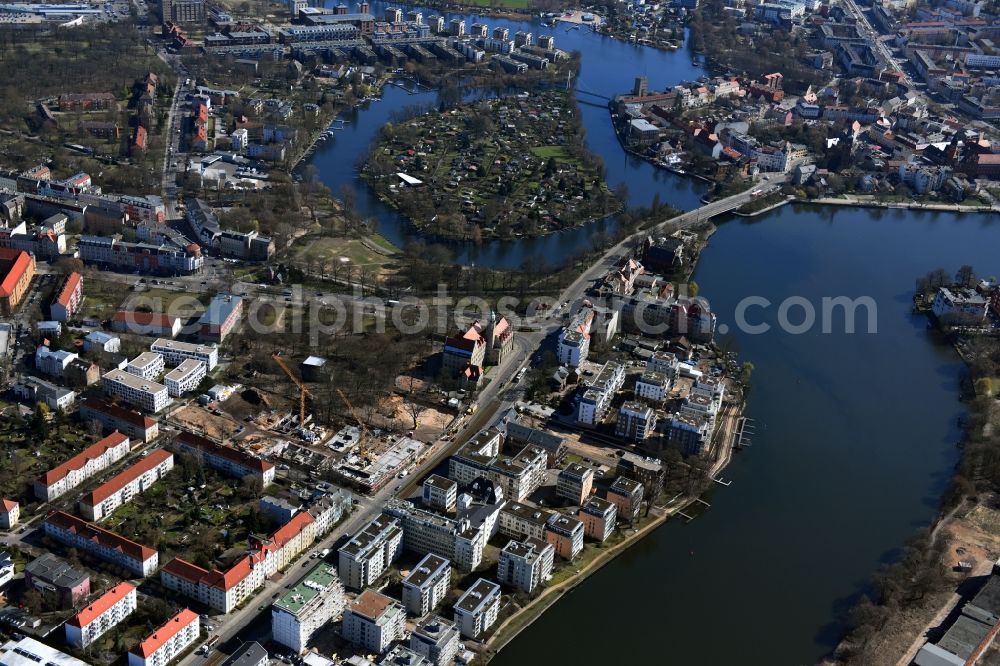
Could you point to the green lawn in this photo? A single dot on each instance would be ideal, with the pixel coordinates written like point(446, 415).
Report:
point(101, 298)
point(324, 252)
point(545, 152)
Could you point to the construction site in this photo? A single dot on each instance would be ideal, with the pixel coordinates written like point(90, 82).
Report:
point(279, 423)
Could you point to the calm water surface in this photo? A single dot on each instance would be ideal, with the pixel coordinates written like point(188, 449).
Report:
point(856, 433)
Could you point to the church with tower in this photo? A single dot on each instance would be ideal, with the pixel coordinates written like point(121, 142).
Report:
point(484, 343)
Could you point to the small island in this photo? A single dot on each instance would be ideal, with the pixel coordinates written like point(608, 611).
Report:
point(495, 168)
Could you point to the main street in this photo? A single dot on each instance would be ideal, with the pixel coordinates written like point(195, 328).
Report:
point(875, 40)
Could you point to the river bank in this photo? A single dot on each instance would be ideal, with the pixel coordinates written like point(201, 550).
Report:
point(919, 594)
point(798, 471)
point(677, 506)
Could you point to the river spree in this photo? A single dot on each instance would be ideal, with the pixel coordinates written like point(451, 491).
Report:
point(856, 440)
point(856, 433)
point(608, 67)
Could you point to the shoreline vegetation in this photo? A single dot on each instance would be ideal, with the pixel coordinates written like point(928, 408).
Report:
point(942, 563)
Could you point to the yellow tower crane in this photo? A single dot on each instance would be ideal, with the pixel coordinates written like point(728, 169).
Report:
point(303, 391)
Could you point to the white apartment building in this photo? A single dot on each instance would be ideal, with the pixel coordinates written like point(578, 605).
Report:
point(304, 609)
point(599, 392)
point(185, 377)
point(477, 609)
point(147, 365)
point(520, 520)
point(373, 622)
point(103, 341)
point(327, 511)
point(10, 513)
point(103, 614)
point(426, 532)
point(436, 640)
point(167, 642)
point(175, 352)
point(120, 489)
point(574, 339)
point(88, 537)
point(524, 565)
point(34, 389)
point(370, 552)
point(574, 346)
point(652, 386)
point(225, 590)
point(966, 303)
point(427, 585)
point(440, 493)
point(144, 394)
point(518, 476)
point(53, 363)
point(662, 362)
point(82, 466)
point(27, 652)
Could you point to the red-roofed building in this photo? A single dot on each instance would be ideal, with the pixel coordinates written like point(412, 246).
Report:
point(225, 590)
point(167, 642)
point(224, 458)
point(982, 164)
point(82, 466)
point(115, 417)
point(121, 488)
point(17, 267)
point(141, 138)
point(104, 544)
point(466, 353)
point(68, 300)
point(146, 323)
point(103, 614)
point(10, 513)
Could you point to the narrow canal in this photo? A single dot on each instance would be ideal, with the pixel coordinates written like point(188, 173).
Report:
point(856, 432)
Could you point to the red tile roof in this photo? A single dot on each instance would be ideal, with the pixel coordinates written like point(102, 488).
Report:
point(21, 263)
point(159, 638)
point(79, 460)
point(209, 447)
point(184, 569)
point(119, 412)
point(226, 580)
point(8, 505)
point(125, 477)
point(106, 538)
point(69, 288)
point(290, 530)
point(102, 604)
point(371, 604)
